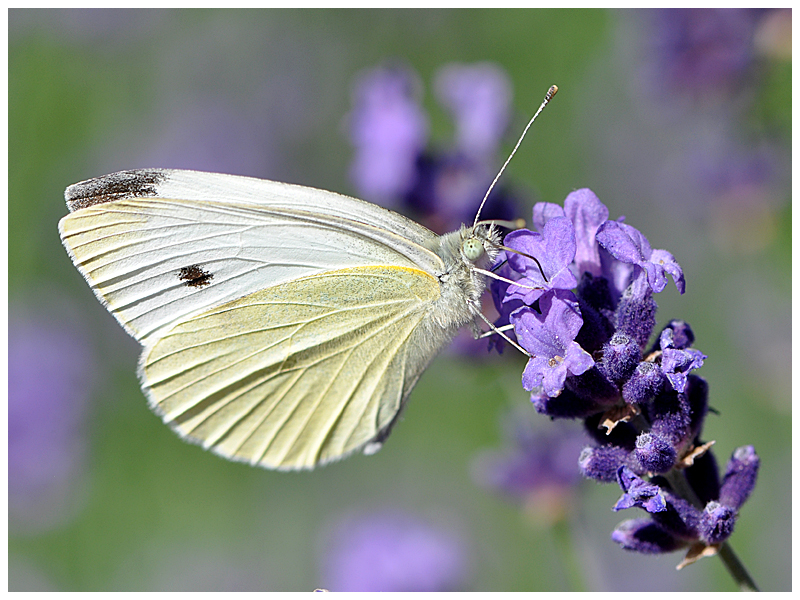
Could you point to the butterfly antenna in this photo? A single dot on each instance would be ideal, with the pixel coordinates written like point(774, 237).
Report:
point(547, 97)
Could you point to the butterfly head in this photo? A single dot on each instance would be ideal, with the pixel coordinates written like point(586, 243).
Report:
point(480, 244)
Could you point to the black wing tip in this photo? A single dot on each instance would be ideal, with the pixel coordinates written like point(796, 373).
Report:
point(115, 186)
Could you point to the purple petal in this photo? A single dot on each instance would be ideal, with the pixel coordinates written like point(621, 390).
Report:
point(677, 364)
point(622, 241)
point(543, 212)
point(587, 213)
point(628, 245)
point(671, 266)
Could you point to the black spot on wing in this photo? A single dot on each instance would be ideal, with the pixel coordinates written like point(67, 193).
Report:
point(195, 276)
point(123, 184)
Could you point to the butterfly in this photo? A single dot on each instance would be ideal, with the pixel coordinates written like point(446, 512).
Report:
point(281, 325)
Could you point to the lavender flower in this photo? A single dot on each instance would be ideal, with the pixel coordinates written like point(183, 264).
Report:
point(478, 98)
point(556, 246)
point(628, 245)
point(587, 325)
point(392, 551)
point(549, 335)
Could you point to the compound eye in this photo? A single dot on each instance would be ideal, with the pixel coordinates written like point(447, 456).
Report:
point(472, 248)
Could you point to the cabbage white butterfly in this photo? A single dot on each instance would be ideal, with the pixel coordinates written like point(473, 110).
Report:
point(282, 325)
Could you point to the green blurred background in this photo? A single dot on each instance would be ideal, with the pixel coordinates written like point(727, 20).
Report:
point(265, 93)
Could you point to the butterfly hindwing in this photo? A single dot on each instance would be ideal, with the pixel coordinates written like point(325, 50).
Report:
point(298, 374)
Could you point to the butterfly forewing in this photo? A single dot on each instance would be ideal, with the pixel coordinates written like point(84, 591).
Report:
point(298, 374)
point(153, 261)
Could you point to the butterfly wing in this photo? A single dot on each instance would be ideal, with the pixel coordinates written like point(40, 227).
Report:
point(157, 246)
point(283, 326)
point(301, 373)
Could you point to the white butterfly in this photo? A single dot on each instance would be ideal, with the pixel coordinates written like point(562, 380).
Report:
point(282, 325)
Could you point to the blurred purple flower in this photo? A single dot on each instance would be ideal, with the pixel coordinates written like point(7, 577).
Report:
point(479, 100)
point(391, 551)
point(587, 213)
point(703, 49)
point(392, 166)
point(205, 134)
point(50, 377)
point(388, 130)
point(536, 466)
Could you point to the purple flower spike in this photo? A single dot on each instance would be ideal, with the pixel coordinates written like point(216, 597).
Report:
point(554, 248)
point(627, 244)
point(51, 372)
point(587, 213)
point(638, 492)
point(549, 336)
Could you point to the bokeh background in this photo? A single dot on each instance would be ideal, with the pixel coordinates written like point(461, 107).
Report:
point(680, 120)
